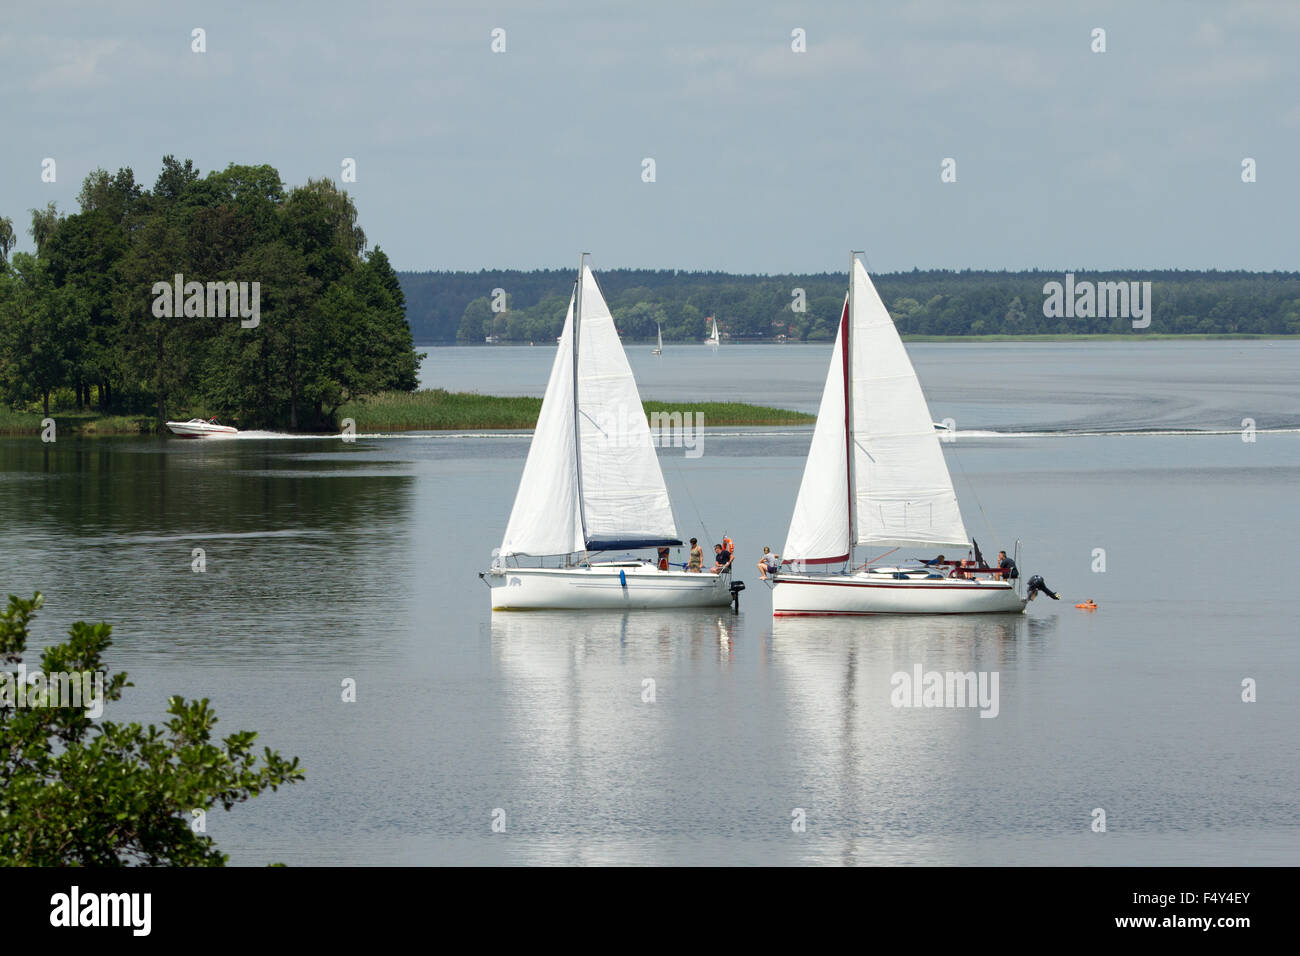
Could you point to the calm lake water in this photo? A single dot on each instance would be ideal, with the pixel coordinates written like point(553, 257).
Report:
point(328, 561)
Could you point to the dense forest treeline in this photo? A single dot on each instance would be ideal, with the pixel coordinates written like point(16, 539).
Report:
point(446, 307)
point(225, 292)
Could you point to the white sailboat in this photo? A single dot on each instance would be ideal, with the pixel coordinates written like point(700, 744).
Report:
point(659, 331)
point(714, 339)
point(592, 484)
point(876, 477)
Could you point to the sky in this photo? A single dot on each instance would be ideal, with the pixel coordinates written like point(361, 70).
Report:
point(766, 159)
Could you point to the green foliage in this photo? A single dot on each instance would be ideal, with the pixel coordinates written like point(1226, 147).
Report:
point(78, 793)
point(332, 323)
point(454, 306)
point(435, 408)
point(41, 341)
point(476, 322)
point(7, 238)
point(44, 223)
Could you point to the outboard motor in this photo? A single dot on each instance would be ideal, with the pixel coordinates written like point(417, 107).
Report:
point(736, 588)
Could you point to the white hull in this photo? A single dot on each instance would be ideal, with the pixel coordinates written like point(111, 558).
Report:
point(636, 586)
point(870, 593)
point(200, 429)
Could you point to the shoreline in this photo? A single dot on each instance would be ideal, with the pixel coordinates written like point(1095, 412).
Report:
point(993, 337)
point(424, 410)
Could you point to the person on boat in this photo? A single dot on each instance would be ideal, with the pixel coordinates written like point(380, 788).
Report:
point(721, 559)
point(933, 562)
point(768, 563)
point(663, 559)
point(1036, 584)
point(696, 561)
point(1008, 565)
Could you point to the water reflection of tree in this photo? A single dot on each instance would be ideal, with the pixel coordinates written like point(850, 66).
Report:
point(294, 535)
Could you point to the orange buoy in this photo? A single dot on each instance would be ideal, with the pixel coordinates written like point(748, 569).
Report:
point(1088, 605)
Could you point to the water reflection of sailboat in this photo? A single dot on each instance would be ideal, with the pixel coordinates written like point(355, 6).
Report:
point(555, 642)
point(897, 642)
point(868, 769)
point(598, 711)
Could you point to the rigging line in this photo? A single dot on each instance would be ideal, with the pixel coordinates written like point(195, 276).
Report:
point(877, 558)
point(979, 504)
point(691, 498)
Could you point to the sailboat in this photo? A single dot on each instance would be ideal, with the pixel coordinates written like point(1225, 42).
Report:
point(592, 484)
point(876, 478)
point(714, 339)
point(659, 349)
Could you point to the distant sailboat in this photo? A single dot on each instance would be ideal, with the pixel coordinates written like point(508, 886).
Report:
point(876, 477)
point(659, 349)
point(714, 339)
point(592, 483)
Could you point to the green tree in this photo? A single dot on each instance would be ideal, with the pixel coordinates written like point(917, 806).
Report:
point(383, 270)
point(259, 376)
point(360, 342)
point(1014, 321)
point(7, 238)
point(175, 179)
point(476, 323)
point(320, 220)
point(113, 195)
point(77, 793)
point(255, 191)
point(44, 223)
point(41, 332)
point(81, 312)
point(156, 353)
point(83, 257)
point(639, 321)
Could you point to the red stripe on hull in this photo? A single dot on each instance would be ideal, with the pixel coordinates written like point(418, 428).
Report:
point(880, 613)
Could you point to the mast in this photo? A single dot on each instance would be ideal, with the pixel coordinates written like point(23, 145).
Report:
point(848, 406)
point(577, 425)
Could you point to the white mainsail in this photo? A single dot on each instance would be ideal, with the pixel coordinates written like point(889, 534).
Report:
point(902, 494)
point(545, 518)
point(659, 334)
point(819, 530)
point(623, 496)
point(714, 337)
point(902, 490)
point(592, 479)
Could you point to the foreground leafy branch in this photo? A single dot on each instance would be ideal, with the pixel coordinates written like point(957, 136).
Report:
point(77, 792)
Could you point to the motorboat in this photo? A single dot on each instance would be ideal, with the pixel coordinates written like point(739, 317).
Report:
point(200, 428)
